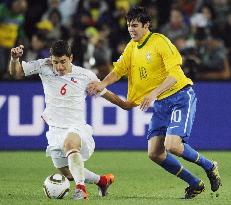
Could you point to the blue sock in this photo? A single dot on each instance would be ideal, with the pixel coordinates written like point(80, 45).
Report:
point(173, 166)
point(192, 155)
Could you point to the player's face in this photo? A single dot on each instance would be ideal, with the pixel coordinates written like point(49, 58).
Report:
point(62, 64)
point(137, 30)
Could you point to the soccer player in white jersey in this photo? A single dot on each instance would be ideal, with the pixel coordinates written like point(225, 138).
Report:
point(70, 141)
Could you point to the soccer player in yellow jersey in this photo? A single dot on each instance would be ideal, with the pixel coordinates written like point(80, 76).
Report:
point(153, 67)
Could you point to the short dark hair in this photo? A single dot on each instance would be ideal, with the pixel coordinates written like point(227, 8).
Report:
point(138, 13)
point(60, 48)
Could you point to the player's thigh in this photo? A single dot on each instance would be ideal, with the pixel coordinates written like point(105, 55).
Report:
point(87, 142)
point(159, 121)
point(72, 141)
point(156, 149)
point(183, 113)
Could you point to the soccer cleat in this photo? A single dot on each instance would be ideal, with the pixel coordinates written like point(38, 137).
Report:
point(80, 192)
point(104, 183)
point(214, 177)
point(191, 191)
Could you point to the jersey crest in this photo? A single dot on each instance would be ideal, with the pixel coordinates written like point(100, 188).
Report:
point(73, 80)
point(148, 56)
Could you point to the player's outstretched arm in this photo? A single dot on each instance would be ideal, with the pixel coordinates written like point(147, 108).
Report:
point(95, 87)
point(15, 67)
point(115, 99)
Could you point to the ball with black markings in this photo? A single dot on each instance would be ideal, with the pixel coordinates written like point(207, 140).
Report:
point(56, 186)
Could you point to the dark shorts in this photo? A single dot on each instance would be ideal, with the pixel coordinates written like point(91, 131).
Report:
point(174, 115)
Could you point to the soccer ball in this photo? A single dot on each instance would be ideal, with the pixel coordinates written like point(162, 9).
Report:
point(56, 186)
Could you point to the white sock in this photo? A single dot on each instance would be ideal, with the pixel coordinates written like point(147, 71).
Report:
point(91, 177)
point(76, 167)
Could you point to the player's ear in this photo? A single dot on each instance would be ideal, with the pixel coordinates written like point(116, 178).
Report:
point(146, 25)
point(71, 57)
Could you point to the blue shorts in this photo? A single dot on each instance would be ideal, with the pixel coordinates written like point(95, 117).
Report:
point(174, 115)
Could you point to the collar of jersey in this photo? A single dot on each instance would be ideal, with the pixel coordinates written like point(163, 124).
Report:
point(144, 40)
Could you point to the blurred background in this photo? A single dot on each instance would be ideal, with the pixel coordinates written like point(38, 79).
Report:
point(97, 30)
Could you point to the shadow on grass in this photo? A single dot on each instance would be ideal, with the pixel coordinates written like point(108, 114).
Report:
point(136, 197)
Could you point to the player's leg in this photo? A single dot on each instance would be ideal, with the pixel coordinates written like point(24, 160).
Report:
point(90, 177)
point(174, 145)
point(158, 154)
point(66, 172)
point(87, 148)
point(72, 146)
point(156, 149)
point(179, 130)
point(102, 181)
point(55, 137)
point(181, 124)
point(159, 126)
point(211, 168)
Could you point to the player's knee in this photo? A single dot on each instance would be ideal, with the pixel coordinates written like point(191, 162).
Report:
point(172, 148)
point(173, 144)
point(156, 157)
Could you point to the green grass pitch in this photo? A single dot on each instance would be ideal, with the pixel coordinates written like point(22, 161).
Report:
point(138, 180)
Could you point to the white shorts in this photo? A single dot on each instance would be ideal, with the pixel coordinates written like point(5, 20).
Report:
point(56, 136)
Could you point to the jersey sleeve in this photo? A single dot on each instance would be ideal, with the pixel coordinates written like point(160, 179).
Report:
point(169, 53)
point(92, 77)
point(123, 63)
point(31, 67)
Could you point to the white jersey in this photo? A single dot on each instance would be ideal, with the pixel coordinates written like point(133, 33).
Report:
point(64, 95)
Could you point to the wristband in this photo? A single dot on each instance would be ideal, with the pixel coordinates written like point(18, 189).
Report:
point(103, 92)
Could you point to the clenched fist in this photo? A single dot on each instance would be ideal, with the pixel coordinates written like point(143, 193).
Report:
point(17, 52)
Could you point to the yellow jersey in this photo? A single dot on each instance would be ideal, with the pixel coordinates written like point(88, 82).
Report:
point(147, 64)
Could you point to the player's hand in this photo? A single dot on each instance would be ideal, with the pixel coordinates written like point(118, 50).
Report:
point(148, 99)
point(17, 52)
point(95, 87)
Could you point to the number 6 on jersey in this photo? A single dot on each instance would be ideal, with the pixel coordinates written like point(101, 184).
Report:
point(63, 90)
